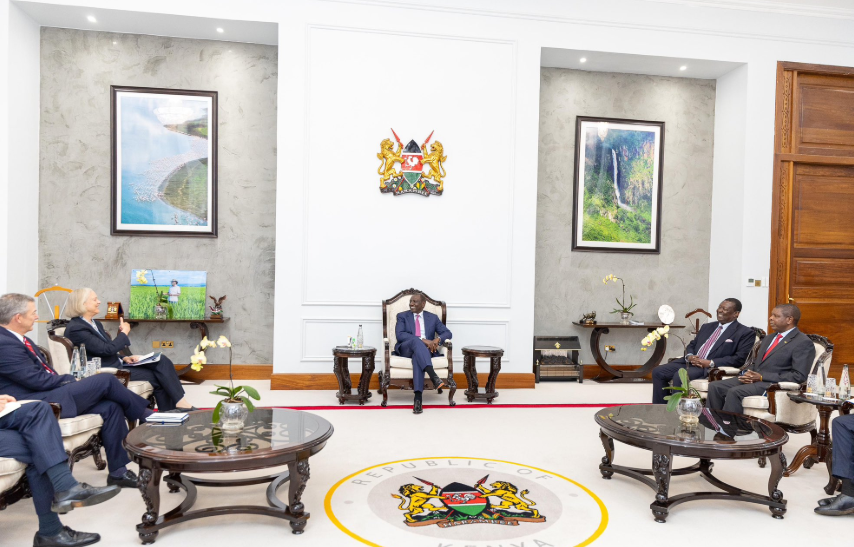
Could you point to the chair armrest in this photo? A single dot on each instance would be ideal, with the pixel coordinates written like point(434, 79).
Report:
point(722, 372)
point(846, 407)
point(385, 342)
point(108, 370)
point(448, 344)
point(123, 376)
point(789, 386)
point(772, 396)
point(57, 409)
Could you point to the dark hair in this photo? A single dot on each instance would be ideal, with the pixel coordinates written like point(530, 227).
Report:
point(735, 302)
point(790, 310)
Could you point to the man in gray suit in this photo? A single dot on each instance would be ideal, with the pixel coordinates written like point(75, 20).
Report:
point(785, 357)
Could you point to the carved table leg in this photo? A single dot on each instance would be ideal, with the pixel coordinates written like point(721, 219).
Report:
point(778, 464)
point(471, 376)
point(299, 473)
point(149, 486)
point(342, 373)
point(800, 458)
point(832, 482)
point(385, 380)
point(608, 458)
point(494, 368)
point(173, 481)
point(365, 378)
point(662, 464)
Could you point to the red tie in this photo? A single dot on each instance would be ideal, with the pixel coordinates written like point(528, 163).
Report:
point(772, 346)
point(418, 325)
point(33, 351)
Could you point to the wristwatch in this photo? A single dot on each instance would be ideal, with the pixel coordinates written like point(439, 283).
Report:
point(711, 364)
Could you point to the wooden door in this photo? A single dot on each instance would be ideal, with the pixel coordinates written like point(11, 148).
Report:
point(812, 227)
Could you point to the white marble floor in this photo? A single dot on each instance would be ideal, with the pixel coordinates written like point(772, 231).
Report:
point(563, 440)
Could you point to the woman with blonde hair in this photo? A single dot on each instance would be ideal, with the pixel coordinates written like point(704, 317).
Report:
point(83, 306)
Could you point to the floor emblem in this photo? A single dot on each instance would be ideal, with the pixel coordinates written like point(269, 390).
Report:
point(469, 502)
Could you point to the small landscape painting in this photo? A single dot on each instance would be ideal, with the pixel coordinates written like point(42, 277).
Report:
point(167, 294)
point(617, 185)
point(164, 162)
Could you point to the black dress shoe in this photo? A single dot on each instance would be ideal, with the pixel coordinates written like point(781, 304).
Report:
point(82, 495)
point(841, 505)
point(66, 538)
point(827, 501)
point(128, 480)
point(439, 386)
point(416, 408)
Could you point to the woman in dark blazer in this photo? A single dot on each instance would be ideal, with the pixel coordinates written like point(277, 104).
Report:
point(83, 306)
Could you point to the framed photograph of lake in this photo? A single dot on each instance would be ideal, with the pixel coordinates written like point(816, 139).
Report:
point(617, 185)
point(164, 171)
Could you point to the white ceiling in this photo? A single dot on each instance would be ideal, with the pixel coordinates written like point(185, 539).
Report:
point(132, 22)
point(598, 61)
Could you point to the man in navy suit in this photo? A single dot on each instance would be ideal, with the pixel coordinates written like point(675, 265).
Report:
point(721, 343)
point(26, 374)
point(30, 434)
point(419, 335)
point(842, 468)
point(785, 357)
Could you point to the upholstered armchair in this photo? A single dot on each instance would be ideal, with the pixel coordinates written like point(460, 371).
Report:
point(398, 370)
point(702, 384)
point(13, 482)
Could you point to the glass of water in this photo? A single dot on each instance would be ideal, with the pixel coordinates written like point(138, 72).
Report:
point(830, 389)
point(97, 364)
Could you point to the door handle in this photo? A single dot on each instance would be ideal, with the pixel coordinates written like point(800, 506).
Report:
point(791, 300)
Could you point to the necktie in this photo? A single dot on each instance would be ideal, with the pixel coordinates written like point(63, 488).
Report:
point(33, 351)
point(707, 347)
point(418, 325)
point(772, 346)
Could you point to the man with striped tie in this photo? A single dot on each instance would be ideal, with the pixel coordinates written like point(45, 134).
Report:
point(721, 343)
point(785, 357)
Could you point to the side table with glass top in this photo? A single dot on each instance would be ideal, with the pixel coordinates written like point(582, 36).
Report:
point(820, 450)
point(271, 438)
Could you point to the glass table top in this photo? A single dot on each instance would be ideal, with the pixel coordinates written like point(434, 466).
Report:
point(715, 428)
point(267, 430)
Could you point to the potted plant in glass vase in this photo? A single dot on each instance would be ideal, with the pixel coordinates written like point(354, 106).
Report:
point(233, 410)
point(685, 400)
point(622, 309)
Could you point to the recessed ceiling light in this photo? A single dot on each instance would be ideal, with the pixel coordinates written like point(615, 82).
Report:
point(683, 67)
point(220, 30)
point(583, 59)
point(91, 19)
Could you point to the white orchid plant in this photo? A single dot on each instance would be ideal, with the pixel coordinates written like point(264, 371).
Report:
point(232, 393)
point(622, 308)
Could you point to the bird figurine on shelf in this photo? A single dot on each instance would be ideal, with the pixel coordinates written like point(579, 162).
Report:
point(216, 309)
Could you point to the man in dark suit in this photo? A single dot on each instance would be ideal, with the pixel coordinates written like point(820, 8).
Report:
point(419, 334)
point(26, 374)
point(31, 435)
point(785, 357)
point(722, 343)
point(843, 468)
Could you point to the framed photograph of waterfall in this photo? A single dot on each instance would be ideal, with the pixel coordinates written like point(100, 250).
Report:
point(164, 162)
point(617, 185)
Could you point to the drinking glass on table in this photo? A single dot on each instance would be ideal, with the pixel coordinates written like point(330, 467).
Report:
point(830, 388)
point(97, 364)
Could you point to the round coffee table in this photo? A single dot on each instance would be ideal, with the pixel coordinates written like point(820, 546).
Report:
point(470, 353)
point(719, 435)
point(271, 438)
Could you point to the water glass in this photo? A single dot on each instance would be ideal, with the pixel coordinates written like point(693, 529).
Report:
point(830, 388)
point(90, 369)
point(97, 364)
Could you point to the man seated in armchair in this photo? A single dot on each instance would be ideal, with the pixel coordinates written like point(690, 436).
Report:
point(784, 357)
point(419, 335)
point(721, 343)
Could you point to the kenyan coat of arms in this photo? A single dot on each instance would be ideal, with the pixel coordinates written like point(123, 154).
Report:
point(421, 170)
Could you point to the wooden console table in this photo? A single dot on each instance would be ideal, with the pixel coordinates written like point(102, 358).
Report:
point(201, 324)
point(623, 376)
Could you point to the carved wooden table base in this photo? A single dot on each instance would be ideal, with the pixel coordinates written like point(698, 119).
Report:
point(341, 369)
point(470, 353)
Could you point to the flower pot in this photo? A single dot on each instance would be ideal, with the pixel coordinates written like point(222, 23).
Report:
point(624, 318)
point(689, 410)
point(232, 416)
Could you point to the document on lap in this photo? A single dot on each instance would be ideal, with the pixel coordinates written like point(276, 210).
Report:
point(12, 407)
point(146, 359)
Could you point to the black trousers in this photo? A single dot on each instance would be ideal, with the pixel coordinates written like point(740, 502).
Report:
point(728, 394)
point(843, 447)
point(163, 378)
point(664, 374)
point(31, 435)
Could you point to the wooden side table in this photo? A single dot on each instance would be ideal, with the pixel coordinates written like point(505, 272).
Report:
point(341, 354)
point(820, 450)
point(470, 353)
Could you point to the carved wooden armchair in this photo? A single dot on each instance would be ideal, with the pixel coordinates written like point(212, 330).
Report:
point(13, 482)
point(398, 370)
point(702, 384)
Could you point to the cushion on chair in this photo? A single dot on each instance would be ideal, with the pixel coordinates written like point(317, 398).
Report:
point(730, 370)
point(396, 361)
point(762, 414)
point(80, 424)
point(11, 472)
point(701, 385)
point(400, 373)
point(402, 304)
point(792, 413)
point(59, 357)
point(756, 402)
point(141, 388)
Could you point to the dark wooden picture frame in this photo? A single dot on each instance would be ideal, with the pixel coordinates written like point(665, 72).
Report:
point(655, 199)
point(182, 226)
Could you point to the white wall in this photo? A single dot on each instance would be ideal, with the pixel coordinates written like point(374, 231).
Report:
point(469, 32)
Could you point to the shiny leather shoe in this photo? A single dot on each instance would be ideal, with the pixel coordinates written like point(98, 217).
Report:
point(827, 501)
point(128, 480)
point(440, 386)
point(66, 538)
point(842, 505)
point(416, 408)
point(82, 495)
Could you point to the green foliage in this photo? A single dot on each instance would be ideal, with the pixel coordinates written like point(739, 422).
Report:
point(680, 391)
point(187, 188)
point(190, 305)
point(233, 395)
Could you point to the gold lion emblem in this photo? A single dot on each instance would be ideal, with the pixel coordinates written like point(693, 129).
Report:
point(418, 501)
point(509, 498)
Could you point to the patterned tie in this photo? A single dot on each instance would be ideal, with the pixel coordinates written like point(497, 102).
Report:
point(707, 347)
point(772, 346)
point(33, 351)
point(418, 325)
